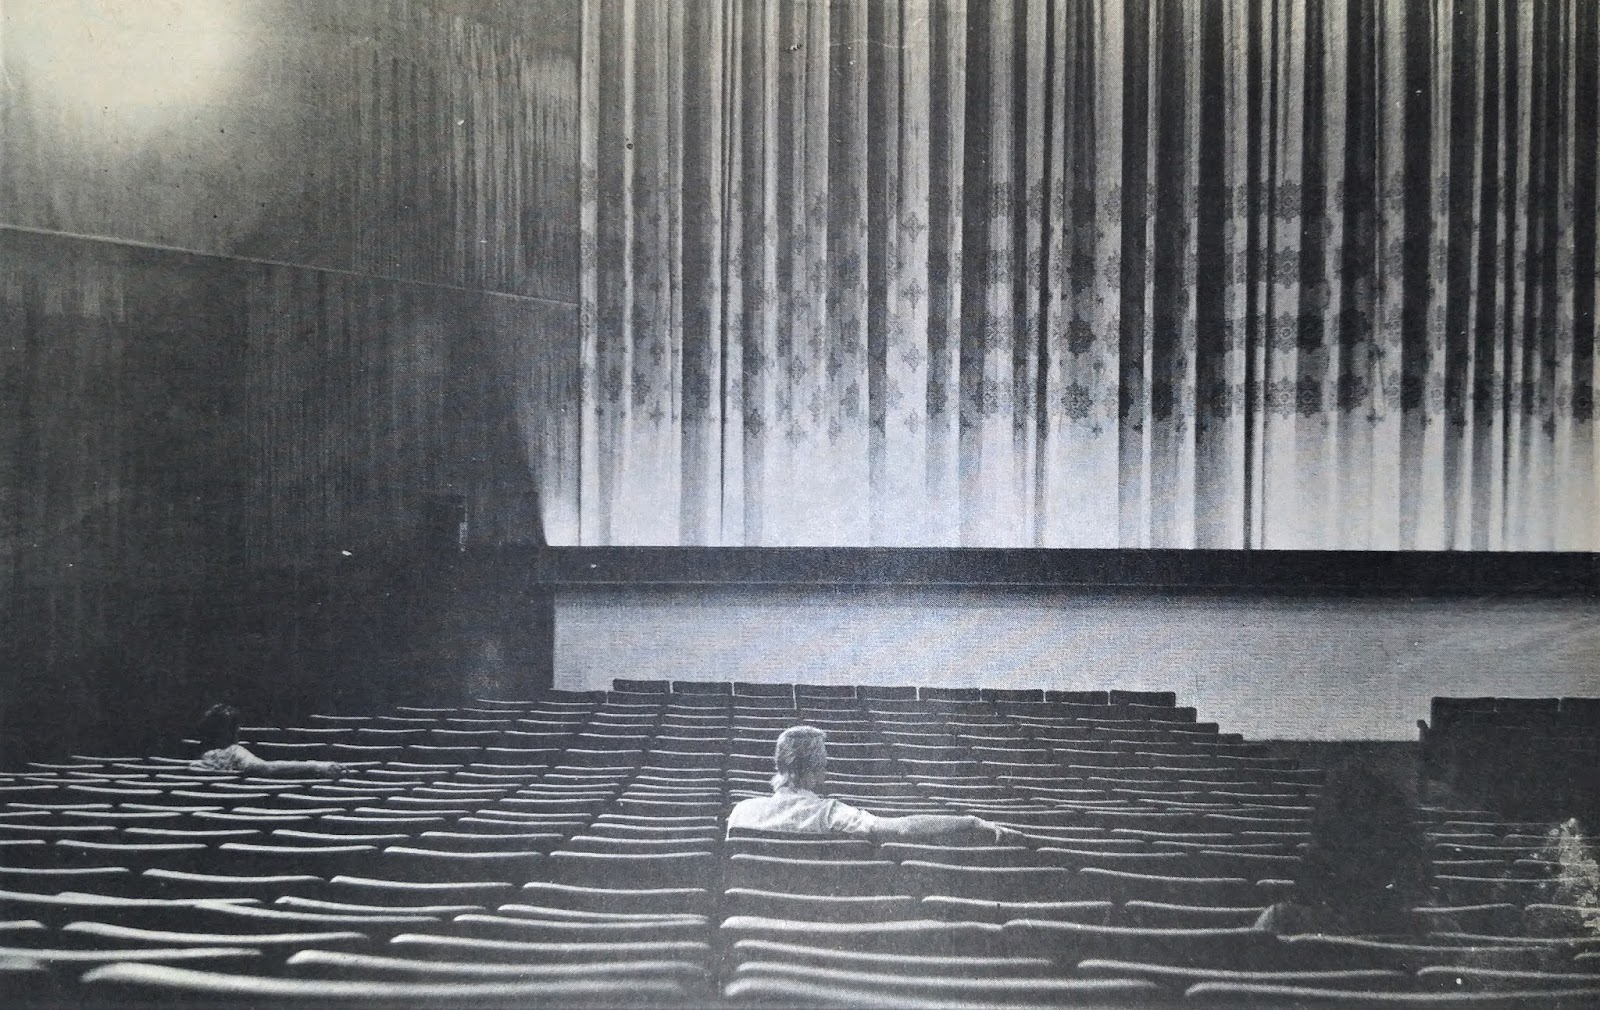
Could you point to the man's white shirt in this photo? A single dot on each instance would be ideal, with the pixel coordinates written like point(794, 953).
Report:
point(800, 811)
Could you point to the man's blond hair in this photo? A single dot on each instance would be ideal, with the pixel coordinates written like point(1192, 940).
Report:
point(801, 754)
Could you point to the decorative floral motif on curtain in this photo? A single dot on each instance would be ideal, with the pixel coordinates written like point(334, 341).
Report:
point(1244, 273)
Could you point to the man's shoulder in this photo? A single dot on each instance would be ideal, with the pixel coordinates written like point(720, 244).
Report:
point(781, 811)
point(752, 803)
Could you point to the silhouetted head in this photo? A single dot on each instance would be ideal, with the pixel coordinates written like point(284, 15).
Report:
point(1367, 861)
point(219, 727)
point(801, 757)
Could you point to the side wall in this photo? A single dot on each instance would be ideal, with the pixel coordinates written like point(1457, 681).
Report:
point(1272, 668)
point(270, 277)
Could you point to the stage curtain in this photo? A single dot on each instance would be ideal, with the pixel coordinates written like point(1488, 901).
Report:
point(1082, 273)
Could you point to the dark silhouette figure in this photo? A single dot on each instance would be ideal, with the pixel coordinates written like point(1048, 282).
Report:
point(1366, 866)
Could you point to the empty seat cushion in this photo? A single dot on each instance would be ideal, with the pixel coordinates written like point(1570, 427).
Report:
point(801, 811)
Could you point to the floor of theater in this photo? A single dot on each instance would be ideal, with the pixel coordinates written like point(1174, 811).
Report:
point(569, 849)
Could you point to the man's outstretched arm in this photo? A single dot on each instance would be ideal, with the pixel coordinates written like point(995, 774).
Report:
point(249, 764)
point(322, 768)
point(938, 826)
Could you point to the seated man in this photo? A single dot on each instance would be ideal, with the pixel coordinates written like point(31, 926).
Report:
point(802, 761)
point(219, 735)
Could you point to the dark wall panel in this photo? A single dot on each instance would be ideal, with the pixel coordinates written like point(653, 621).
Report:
point(216, 478)
point(426, 141)
point(168, 414)
point(121, 454)
point(272, 275)
point(368, 399)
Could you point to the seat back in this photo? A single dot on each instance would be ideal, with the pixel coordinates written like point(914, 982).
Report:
point(818, 907)
point(640, 900)
point(1071, 942)
point(908, 937)
point(838, 877)
point(801, 985)
point(995, 883)
point(674, 869)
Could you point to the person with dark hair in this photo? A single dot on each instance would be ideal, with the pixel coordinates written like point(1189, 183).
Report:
point(219, 735)
point(1365, 867)
point(801, 758)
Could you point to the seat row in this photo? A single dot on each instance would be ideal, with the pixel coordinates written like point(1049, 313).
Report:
point(554, 876)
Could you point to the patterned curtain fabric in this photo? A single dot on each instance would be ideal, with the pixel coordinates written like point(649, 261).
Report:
point(1082, 273)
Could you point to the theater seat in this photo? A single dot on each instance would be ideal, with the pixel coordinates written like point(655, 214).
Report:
point(1249, 865)
point(954, 909)
point(382, 891)
point(804, 985)
point(1453, 978)
point(135, 855)
point(1071, 942)
point(539, 930)
point(602, 827)
point(145, 981)
point(1233, 994)
point(227, 916)
point(642, 899)
point(346, 907)
point(995, 883)
point(194, 938)
point(1146, 862)
point(969, 966)
point(1359, 952)
point(80, 958)
point(690, 976)
point(786, 845)
point(818, 908)
point(1503, 918)
point(960, 855)
point(549, 913)
point(320, 860)
point(675, 869)
point(68, 906)
point(432, 945)
point(181, 884)
point(429, 864)
point(103, 879)
point(1180, 977)
point(914, 936)
point(635, 846)
point(812, 876)
point(1118, 885)
point(535, 839)
point(1166, 915)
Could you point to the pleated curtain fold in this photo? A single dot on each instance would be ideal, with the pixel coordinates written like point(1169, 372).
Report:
point(1082, 273)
